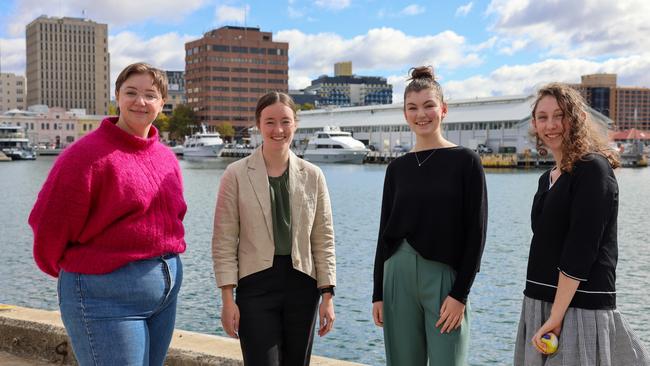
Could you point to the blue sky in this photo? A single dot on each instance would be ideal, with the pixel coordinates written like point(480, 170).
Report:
point(478, 48)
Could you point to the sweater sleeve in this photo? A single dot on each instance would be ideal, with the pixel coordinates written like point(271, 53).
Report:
point(594, 193)
point(322, 237)
point(380, 256)
point(475, 226)
point(61, 209)
point(225, 237)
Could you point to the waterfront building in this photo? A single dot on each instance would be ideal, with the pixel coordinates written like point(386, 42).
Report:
point(346, 89)
point(501, 123)
point(228, 69)
point(68, 64)
point(175, 91)
point(12, 92)
point(52, 127)
point(628, 107)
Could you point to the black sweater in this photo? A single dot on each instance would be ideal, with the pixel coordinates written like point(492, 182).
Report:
point(574, 231)
point(440, 208)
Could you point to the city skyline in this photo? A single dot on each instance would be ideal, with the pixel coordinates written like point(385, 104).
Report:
point(478, 48)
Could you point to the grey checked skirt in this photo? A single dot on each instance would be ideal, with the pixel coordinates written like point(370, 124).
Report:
point(588, 338)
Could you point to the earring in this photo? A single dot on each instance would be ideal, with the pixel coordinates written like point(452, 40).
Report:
point(541, 150)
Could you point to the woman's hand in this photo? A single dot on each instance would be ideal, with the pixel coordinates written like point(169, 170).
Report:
point(452, 312)
point(229, 312)
point(552, 325)
point(326, 314)
point(378, 313)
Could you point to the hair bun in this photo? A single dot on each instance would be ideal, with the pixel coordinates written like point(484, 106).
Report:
point(422, 72)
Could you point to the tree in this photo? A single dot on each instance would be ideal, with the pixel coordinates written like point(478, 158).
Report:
point(226, 130)
point(112, 109)
point(307, 107)
point(162, 122)
point(181, 122)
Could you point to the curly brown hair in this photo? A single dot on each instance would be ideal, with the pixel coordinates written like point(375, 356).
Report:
point(582, 137)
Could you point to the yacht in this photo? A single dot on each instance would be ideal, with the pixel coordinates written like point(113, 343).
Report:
point(14, 143)
point(203, 144)
point(331, 145)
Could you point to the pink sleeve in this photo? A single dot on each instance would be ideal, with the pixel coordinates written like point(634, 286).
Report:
point(60, 211)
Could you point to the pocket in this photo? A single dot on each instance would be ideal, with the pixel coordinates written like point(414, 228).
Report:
point(58, 288)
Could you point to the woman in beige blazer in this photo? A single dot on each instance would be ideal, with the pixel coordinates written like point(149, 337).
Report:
point(274, 241)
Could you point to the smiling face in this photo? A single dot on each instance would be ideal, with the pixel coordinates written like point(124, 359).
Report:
point(140, 102)
point(424, 112)
point(549, 123)
point(277, 125)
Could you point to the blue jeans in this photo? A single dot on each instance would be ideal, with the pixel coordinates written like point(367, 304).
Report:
point(125, 317)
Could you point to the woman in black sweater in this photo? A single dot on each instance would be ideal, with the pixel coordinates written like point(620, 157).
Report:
point(570, 282)
point(431, 238)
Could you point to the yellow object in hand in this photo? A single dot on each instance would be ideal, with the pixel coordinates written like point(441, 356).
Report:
point(551, 342)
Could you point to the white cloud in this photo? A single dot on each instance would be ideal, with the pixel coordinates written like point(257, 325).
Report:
point(389, 49)
point(332, 4)
point(578, 28)
point(522, 79)
point(514, 46)
point(231, 14)
point(13, 55)
point(166, 51)
point(412, 9)
point(294, 13)
point(117, 13)
point(463, 10)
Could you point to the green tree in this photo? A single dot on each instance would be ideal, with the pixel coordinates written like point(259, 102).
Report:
point(182, 121)
point(307, 107)
point(162, 122)
point(226, 130)
point(112, 109)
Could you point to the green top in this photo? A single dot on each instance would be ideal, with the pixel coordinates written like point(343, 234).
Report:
point(281, 211)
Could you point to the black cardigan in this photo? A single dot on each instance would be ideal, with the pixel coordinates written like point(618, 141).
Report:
point(440, 208)
point(574, 231)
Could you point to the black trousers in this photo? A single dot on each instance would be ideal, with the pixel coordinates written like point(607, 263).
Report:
point(277, 309)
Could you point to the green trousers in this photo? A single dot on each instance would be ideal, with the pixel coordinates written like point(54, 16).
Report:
point(414, 290)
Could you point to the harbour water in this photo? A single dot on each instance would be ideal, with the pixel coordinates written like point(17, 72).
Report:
point(355, 192)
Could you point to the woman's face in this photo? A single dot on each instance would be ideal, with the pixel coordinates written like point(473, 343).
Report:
point(277, 126)
point(424, 112)
point(139, 101)
point(549, 123)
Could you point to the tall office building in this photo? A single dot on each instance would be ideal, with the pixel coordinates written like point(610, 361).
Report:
point(346, 89)
point(68, 64)
point(228, 69)
point(175, 91)
point(628, 107)
point(12, 92)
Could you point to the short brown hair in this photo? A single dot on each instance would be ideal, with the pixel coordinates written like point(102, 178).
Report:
point(423, 78)
point(582, 137)
point(271, 98)
point(159, 77)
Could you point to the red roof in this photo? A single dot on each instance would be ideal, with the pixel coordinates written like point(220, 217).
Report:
point(632, 134)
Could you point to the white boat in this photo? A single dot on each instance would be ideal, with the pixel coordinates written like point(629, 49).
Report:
point(14, 143)
point(203, 144)
point(331, 145)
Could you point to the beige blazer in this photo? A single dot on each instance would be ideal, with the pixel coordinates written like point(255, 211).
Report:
point(242, 241)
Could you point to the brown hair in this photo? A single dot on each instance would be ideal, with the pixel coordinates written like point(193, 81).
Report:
point(423, 78)
point(582, 138)
point(159, 77)
point(271, 98)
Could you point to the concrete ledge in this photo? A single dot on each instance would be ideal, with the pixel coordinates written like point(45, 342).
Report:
point(40, 335)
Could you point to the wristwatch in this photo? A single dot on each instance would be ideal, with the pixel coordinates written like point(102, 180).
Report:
point(327, 290)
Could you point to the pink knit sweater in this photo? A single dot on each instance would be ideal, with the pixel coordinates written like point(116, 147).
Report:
point(111, 198)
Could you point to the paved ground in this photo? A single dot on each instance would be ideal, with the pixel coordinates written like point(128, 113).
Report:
point(7, 359)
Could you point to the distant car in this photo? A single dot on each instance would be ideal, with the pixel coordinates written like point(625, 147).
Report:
point(400, 148)
point(483, 149)
point(239, 146)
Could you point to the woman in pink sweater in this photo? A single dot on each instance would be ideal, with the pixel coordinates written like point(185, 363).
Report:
point(108, 223)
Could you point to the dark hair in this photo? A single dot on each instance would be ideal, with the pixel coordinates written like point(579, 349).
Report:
point(582, 138)
point(423, 78)
point(159, 77)
point(271, 98)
